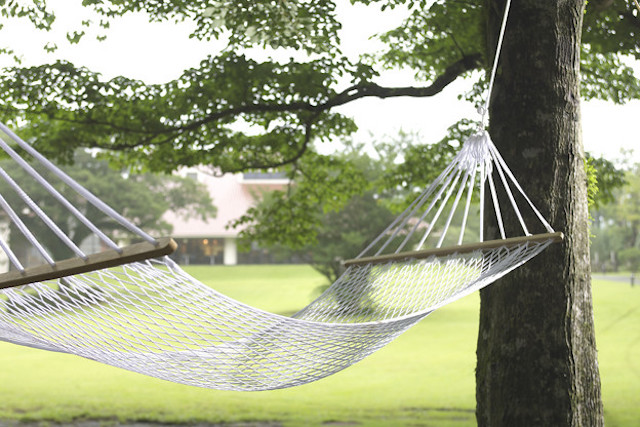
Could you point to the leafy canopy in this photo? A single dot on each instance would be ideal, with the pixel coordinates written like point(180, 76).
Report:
point(237, 111)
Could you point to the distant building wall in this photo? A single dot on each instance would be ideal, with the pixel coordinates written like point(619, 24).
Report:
point(214, 241)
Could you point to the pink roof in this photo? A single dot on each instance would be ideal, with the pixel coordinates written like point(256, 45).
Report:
point(232, 195)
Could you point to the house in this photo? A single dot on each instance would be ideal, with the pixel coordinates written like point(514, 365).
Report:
point(213, 241)
point(210, 241)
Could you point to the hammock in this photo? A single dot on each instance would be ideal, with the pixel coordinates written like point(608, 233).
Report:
point(149, 316)
point(134, 308)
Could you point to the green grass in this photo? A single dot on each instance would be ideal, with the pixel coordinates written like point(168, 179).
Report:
point(617, 313)
point(282, 289)
point(426, 377)
point(613, 273)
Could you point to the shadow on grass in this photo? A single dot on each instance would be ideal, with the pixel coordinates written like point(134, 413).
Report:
point(414, 416)
point(111, 423)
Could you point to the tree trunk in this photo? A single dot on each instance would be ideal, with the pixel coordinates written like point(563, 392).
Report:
point(537, 362)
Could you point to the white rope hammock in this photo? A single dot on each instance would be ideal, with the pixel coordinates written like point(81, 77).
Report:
point(153, 318)
point(134, 308)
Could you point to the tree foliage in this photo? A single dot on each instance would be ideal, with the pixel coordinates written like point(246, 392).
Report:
point(604, 179)
point(616, 224)
point(345, 233)
point(630, 258)
point(237, 112)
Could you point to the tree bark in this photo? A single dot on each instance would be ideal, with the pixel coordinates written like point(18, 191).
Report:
point(537, 362)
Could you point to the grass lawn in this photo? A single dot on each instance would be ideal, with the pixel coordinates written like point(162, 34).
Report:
point(426, 377)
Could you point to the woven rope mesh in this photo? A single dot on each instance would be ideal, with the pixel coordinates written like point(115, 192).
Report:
point(151, 317)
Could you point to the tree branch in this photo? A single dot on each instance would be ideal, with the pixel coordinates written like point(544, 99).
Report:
point(451, 73)
point(308, 133)
point(166, 135)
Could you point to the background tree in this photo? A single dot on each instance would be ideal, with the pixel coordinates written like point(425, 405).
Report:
point(389, 174)
point(142, 198)
point(630, 257)
point(527, 370)
point(348, 232)
point(625, 210)
point(616, 224)
point(344, 232)
point(605, 178)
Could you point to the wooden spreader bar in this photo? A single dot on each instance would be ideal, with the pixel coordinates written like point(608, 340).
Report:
point(466, 248)
point(98, 261)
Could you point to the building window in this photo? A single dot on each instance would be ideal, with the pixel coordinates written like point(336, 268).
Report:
point(200, 251)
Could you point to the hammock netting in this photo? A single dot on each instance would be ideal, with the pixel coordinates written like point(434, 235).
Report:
point(153, 318)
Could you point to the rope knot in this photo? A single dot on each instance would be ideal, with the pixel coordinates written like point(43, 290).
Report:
point(475, 151)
